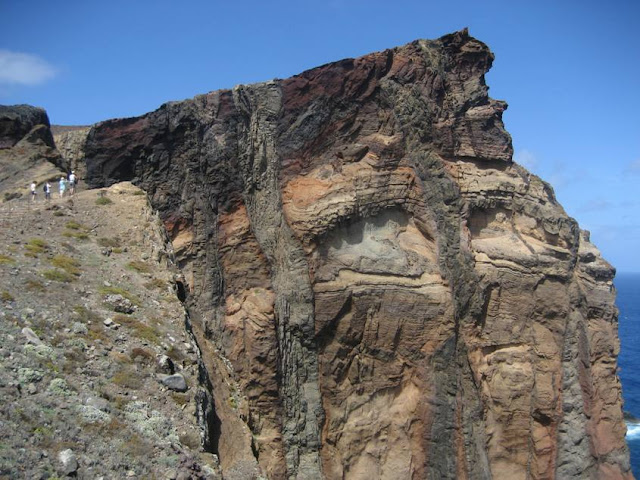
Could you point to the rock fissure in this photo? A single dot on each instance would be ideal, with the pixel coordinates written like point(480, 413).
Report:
point(377, 289)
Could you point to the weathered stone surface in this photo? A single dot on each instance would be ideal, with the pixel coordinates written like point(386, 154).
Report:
point(27, 150)
point(377, 290)
point(70, 143)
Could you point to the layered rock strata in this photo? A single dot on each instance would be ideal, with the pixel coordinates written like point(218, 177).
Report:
point(378, 290)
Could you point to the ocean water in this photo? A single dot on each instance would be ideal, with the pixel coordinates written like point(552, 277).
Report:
point(628, 301)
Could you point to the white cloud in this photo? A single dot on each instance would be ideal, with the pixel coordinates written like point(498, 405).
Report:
point(24, 69)
point(527, 159)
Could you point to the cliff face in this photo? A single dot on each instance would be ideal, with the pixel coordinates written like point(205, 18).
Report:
point(27, 150)
point(378, 291)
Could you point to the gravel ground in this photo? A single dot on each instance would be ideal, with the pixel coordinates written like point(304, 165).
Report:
point(94, 355)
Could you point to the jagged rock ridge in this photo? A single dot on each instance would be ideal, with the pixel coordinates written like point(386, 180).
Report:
point(377, 289)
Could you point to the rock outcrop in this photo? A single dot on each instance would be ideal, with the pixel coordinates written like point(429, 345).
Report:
point(27, 150)
point(377, 289)
point(70, 143)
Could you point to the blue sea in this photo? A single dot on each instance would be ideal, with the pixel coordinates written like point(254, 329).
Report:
point(628, 301)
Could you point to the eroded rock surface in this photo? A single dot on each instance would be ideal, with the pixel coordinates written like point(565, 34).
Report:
point(377, 289)
point(27, 150)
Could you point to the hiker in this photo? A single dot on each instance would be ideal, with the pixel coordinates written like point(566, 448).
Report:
point(72, 182)
point(62, 185)
point(47, 190)
point(33, 191)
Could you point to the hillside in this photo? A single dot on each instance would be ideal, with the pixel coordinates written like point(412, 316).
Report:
point(90, 326)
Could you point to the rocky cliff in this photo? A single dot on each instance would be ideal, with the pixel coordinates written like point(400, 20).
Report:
point(27, 150)
point(377, 289)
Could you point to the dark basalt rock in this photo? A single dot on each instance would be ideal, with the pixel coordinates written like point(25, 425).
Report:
point(18, 120)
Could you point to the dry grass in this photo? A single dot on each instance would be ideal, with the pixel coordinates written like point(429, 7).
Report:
point(109, 242)
point(6, 260)
point(73, 225)
point(68, 264)
point(142, 355)
point(58, 276)
point(103, 201)
point(139, 266)
point(34, 286)
point(155, 283)
point(140, 330)
point(120, 291)
point(78, 235)
point(6, 297)
point(127, 378)
point(35, 246)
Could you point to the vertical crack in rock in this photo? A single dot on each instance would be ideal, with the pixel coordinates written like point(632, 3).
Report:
point(574, 448)
point(259, 164)
point(376, 288)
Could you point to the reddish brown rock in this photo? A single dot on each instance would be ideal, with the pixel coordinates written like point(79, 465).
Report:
point(377, 289)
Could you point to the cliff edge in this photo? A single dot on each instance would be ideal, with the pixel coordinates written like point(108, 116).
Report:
point(377, 290)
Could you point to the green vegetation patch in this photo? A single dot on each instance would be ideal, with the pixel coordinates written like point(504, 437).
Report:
point(103, 201)
point(155, 283)
point(127, 378)
point(73, 225)
point(68, 264)
point(6, 260)
point(58, 276)
point(77, 234)
point(35, 246)
point(6, 296)
point(139, 266)
point(109, 242)
point(140, 330)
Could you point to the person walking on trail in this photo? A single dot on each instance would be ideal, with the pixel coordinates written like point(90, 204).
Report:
point(47, 190)
point(72, 182)
point(62, 186)
point(33, 191)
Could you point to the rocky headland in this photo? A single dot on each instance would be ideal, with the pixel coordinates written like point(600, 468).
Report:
point(373, 288)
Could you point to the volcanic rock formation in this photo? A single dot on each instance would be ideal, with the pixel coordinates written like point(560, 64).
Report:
point(27, 150)
point(377, 289)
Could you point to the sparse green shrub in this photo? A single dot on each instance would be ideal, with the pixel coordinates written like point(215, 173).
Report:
point(139, 266)
point(140, 330)
point(58, 213)
point(138, 193)
point(120, 291)
point(6, 260)
point(180, 398)
point(6, 296)
point(78, 235)
point(68, 264)
point(117, 250)
point(109, 242)
point(127, 378)
point(73, 225)
point(103, 201)
point(35, 246)
point(58, 276)
point(155, 283)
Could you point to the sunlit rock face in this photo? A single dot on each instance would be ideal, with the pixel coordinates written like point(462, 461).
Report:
point(378, 291)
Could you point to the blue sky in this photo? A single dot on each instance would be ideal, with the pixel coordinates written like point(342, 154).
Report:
point(569, 70)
